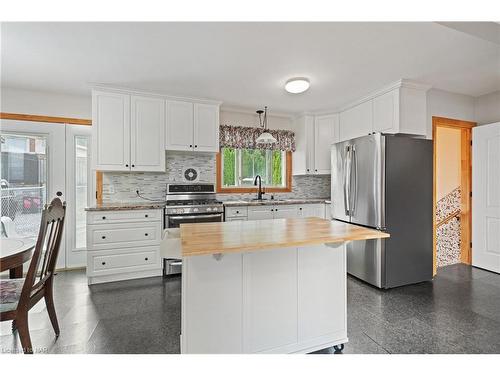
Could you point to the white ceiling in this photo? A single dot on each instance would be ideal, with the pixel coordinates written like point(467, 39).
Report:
point(247, 64)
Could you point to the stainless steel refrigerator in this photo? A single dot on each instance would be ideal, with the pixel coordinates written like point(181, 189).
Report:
point(385, 182)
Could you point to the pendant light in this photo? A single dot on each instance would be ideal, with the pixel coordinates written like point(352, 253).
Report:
point(265, 137)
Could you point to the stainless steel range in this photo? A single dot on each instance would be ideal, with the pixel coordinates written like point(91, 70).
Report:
point(192, 203)
point(189, 203)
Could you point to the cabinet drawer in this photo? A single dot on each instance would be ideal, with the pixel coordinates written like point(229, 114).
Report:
point(124, 216)
point(100, 237)
point(236, 218)
point(108, 262)
point(236, 211)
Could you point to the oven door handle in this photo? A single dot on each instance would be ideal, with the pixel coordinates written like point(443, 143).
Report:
point(194, 217)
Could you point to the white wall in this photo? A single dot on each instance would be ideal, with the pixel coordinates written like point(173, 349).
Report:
point(487, 108)
point(448, 154)
point(447, 104)
point(45, 103)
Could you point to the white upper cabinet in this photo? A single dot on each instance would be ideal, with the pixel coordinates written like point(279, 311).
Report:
point(386, 112)
point(324, 129)
point(206, 127)
point(400, 108)
point(128, 132)
point(110, 131)
point(192, 126)
point(356, 121)
point(314, 136)
point(147, 139)
point(180, 129)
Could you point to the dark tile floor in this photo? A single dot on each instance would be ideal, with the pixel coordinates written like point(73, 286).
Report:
point(459, 312)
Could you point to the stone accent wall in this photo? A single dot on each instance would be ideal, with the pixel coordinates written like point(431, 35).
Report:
point(122, 186)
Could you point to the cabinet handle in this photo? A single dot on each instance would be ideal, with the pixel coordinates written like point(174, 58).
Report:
point(145, 215)
point(308, 170)
point(237, 212)
point(145, 234)
point(300, 208)
point(190, 146)
point(133, 166)
point(104, 217)
point(314, 170)
point(195, 146)
point(145, 258)
point(103, 237)
point(126, 165)
point(103, 263)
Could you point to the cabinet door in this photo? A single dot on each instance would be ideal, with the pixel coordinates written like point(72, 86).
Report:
point(323, 139)
point(357, 121)
point(147, 141)
point(206, 127)
point(179, 134)
point(269, 299)
point(260, 212)
point(312, 210)
point(285, 211)
point(304, 141)
point(321, 272)
point(111, 131)
point(386, 112)
point(212, 304)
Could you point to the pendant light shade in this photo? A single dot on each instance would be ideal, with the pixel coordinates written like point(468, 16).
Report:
point(265, 137)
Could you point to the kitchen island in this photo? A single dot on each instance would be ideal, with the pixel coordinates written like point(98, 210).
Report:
point(267, 286)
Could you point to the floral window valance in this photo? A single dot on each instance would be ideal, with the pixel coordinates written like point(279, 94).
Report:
point(245, 137)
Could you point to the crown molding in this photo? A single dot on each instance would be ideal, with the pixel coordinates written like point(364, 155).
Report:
point(250, 111)
point(402, 83)
point(155, 94)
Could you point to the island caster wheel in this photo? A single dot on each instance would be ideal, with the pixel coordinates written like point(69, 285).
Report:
point(338, 348)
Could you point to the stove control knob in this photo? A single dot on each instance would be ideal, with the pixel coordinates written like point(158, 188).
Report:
point(209, 209)
point(195, 209)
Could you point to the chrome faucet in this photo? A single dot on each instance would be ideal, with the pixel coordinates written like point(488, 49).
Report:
point(260, 192)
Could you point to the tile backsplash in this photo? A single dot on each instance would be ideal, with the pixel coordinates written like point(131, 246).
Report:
point(122, 186)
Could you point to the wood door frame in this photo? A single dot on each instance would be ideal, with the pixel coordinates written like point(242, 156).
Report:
point(465, 186)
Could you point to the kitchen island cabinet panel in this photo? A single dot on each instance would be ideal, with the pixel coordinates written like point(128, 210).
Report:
point(212, 304)
point(319, 266)
point(270, 300)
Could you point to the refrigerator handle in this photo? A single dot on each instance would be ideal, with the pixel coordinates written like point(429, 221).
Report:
point(347, 179)
point(353, 172)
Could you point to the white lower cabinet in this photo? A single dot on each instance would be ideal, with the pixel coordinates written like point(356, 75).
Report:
point(285, 211)
point(211, 306)
point(315, 311)
point(123, 245)
point(290, 300)
point(269, 303)
point(260, 212)
point(312, 210)
point(279, 211)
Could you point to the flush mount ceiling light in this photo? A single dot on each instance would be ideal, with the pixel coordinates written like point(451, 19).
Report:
point(265, 137)
point(297, 85)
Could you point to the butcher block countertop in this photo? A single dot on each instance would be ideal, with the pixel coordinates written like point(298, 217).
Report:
point(241, 236)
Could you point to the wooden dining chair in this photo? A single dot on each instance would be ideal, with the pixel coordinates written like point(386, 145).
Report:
point(18, 296)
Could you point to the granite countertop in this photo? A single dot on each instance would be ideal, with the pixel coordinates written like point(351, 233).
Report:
point(118, 206)
point(239, 236)
point(274, 202)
